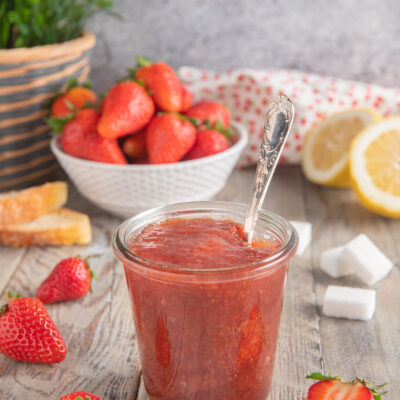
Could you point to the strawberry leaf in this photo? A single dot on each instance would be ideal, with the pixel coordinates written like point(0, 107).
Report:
point(143, 61)
point(319, 377)
point(132, 72)
point(3, 309)
point(88, 84)
point(374, 389)
point(72, 82)
point(218, 126)
point(93, 274)
point(194, 121)
point(70, 105)
point(143, 85)
point(185, 118)
point(57, 124)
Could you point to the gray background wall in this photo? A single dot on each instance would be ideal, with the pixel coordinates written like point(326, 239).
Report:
point(355, 39)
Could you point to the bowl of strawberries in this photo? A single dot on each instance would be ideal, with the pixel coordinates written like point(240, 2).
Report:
point(146, 144)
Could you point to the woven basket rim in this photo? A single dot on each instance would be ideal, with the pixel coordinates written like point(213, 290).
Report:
point(48, 51)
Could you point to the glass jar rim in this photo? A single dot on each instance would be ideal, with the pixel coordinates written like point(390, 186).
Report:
point(124, 231)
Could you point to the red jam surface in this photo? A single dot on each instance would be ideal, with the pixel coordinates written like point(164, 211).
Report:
point(205, 340)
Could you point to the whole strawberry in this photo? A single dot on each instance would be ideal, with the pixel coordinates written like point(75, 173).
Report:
point(163, 83)
point(169, 137)
point(79, 138)
point(210, 112)
point(69, 280)
point(332, 387)
point(74, 98)
point(208, 142)
point(127, 108)
point(27, 333)
point(80, 396)
point(187, 99)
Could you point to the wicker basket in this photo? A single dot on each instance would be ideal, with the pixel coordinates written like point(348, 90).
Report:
point(29, 78)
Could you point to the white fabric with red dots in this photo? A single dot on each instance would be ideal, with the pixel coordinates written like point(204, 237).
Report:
point(247, 93)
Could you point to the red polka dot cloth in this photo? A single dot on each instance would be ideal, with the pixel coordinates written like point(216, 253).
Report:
point(247, 93)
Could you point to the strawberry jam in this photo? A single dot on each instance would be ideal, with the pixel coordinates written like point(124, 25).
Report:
point(206, 323)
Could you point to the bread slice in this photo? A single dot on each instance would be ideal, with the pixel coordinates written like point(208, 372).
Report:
point(18, 207)
point(60, 227)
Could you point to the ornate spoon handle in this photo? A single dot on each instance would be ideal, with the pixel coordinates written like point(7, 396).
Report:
point(278, 121)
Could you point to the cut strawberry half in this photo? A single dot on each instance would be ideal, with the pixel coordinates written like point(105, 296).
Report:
point(332, 387)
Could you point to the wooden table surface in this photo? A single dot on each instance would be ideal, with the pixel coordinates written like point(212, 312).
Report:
point(98, 329)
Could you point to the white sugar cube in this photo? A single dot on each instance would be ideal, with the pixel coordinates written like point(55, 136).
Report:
point(351, 303)
point(304, 229)
point(330, 262)
point(365, 260)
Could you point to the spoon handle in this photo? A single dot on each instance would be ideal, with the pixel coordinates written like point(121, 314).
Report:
point(278, 121)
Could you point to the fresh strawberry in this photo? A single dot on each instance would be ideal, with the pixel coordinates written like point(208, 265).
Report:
point(187, 99)
point(70, 279)
point(127, 108)
point(79, 138)
point(211, 112)
point(74, 99)
point(208, 142)
point(332, 387)
point(163, 83)
point(169, 137)
point(27, 332)
point(135, 146)
point(80, 396)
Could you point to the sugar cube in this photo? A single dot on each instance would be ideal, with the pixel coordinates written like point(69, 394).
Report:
point(304, 229)
point(348, 302)
point(330, 262)
point(365, 259)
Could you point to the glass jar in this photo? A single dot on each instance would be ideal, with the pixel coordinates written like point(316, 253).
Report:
point(207, 334)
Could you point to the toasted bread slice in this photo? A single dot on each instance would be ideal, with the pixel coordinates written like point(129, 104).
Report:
point(18, 207)
point(60, 227)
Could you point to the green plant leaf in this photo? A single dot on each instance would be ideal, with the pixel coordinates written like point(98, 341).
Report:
point(27, 23)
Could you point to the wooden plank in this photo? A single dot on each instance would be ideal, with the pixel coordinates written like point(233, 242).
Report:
point(354, 348)
point(102, 355)
point(10, 260)
point(298, 351)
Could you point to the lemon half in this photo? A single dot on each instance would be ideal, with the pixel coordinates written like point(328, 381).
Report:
point(325, 158)
point(375, 167)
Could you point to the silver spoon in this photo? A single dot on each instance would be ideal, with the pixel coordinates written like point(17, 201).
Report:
point(278, 121)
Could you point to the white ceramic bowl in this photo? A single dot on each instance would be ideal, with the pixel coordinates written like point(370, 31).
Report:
point(125, 190)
